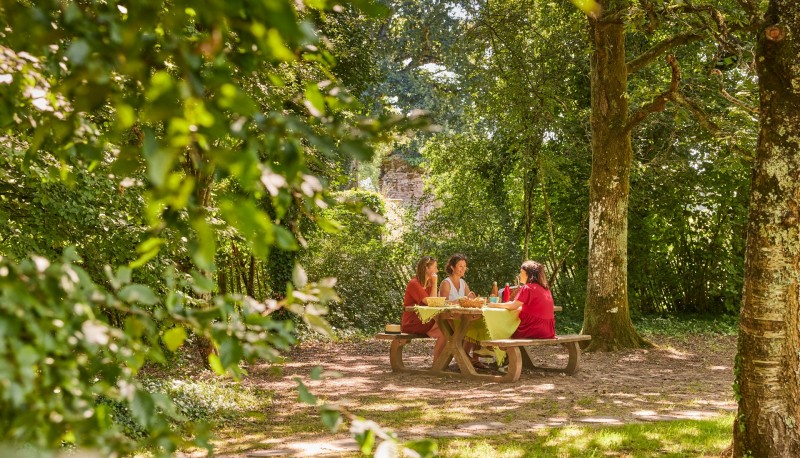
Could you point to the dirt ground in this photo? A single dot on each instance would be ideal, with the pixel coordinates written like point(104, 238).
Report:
point(681, 378)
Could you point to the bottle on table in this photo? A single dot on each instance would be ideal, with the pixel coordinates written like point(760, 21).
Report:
point(506, 293)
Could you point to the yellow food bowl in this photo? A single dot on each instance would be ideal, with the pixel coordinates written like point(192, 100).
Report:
point(393, 329)
point(436, 301)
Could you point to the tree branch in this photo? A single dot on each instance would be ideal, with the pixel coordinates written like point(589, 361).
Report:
point(665, 45)
point(720, 31)
point(660, 101)
point(653, 20)
point(751, 8)
point(732, 99)
point(698, 112)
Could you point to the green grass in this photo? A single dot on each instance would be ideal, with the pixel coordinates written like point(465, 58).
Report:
point(657, 439)
point(675, 326)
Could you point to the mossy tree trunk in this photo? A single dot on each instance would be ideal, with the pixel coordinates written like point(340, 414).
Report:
point(768, 362)
point(606, 316)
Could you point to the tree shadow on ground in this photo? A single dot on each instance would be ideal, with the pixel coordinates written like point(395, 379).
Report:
point(686, 378)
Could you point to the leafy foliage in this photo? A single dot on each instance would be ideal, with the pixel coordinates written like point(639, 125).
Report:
point(371, 268)
point(201, 126)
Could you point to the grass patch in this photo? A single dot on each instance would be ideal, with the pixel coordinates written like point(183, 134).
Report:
point(656, 439)
point(676, 326)
point(725, 325)
point(213, 399)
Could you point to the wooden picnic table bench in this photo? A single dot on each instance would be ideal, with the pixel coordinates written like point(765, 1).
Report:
point(518, 351)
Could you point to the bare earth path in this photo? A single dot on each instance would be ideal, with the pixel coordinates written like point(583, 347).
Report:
point(682, 378)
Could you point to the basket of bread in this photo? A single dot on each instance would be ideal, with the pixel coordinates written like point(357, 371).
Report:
point(467, 302)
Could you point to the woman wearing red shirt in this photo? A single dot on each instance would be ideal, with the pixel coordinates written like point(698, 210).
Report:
point(535, 304)
point(417, 292)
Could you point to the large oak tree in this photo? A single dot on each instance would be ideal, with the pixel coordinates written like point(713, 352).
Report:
point(611, 25)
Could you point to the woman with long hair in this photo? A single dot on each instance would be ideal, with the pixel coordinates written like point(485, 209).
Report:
point(418, 290)
point(534, 302)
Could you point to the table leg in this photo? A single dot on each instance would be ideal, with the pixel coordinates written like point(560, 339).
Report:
point(454, 345)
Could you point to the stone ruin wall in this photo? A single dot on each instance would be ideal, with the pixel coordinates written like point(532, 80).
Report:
point(403, 185)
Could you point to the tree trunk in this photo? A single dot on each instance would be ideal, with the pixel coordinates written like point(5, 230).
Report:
point(606, 316)
point(529, 185)
point(768, 363)
point(251, 276)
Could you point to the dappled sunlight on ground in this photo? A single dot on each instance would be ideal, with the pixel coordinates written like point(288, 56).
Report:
point(680, 379)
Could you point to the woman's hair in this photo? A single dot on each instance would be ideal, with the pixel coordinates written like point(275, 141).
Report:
point(422, 267)
point(451, 263)
point(535, 273)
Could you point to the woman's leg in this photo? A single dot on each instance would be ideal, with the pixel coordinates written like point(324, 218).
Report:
point(470, 348)
point(440, 340)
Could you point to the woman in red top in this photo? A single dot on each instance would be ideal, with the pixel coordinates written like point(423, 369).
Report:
point(535, 304)
point(417, 292)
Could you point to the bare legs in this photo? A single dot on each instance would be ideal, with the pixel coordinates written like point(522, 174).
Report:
point(440, 340)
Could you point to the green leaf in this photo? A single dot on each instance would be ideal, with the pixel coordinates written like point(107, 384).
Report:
point(126, 117)
point(424, 447)
point(230, 352)
point(142, 408)
point(276, 46)
point(216, 365)
point(315, 101)
point(303, 394)
point(284, 239)
point(124, 275)
point(78, 51)
point(357, 149)
point(366, 440)
point(174, 338)
point(589, 7)
point(316, 373)
point(202, 283)
point(148, 250)
point(150, 244)
point(331, 418)
point(138, 293)
point(318, 323)
point(204, 248)
point(159, 161)
point(316, 4)
point(329, 225)
point(252, 222)
point(372, 8)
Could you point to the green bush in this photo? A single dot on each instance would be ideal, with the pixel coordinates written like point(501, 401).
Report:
point(371, 270)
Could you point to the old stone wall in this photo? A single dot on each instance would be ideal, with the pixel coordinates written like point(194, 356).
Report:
point(401, 180)
point(403, 186)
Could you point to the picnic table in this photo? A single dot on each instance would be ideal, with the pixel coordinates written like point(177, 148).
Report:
point(457, 322)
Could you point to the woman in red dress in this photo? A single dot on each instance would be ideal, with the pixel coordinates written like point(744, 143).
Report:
point(535, 304)
point(417, 292)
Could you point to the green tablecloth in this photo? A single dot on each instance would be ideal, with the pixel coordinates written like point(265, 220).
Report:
point(496, 324)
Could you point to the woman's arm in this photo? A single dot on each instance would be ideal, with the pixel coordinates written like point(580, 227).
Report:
point(513, 305)
point(469, 293)
point(444, 289)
